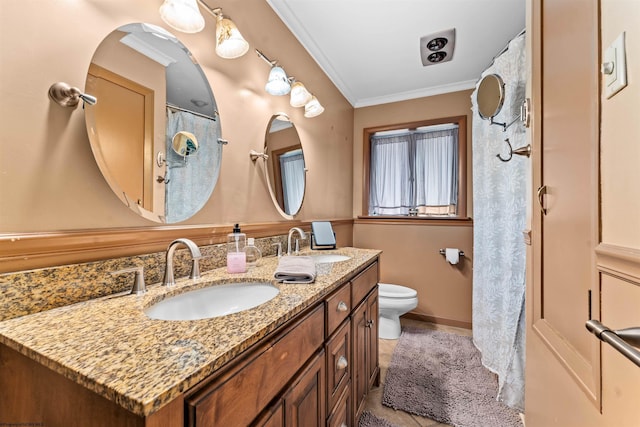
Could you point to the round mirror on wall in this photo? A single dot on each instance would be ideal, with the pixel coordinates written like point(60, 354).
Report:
point(155, 129)
point(284, 166)
point(490, 96)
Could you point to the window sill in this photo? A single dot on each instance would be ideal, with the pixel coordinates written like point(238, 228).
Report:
point(414, 220)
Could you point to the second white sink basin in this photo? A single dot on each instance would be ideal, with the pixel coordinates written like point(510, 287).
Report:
point(213, 301)
point(329, 258)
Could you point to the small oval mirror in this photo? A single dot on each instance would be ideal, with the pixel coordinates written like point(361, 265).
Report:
point(184, 143)
point(490, 96)
point(284, 167)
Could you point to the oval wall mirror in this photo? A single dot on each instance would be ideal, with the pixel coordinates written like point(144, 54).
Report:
point(490, 96)
point(154, 131)
point(285, 167)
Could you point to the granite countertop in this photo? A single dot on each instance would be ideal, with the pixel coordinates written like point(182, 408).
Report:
point(110, 346)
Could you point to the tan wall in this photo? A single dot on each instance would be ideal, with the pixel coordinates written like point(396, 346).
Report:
point(50, 180)
point(410, 252)
point(620, 132)
point(410, 257)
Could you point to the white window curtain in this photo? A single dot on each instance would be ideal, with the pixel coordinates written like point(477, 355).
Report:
point(293, 176)
point(390, 182)
point(413, 169)
point(436, 168)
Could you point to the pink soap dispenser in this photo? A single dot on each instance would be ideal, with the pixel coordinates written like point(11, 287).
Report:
point(236, 256)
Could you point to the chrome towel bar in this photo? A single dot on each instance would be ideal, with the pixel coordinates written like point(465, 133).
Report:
point(622, 340)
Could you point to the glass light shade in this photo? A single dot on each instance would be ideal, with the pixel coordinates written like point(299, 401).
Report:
point(182, 15)
point(278, 83)
point(229, 42)
point(299, 95)
point(313, 108)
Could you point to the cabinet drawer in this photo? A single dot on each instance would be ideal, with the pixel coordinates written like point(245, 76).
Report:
point(338, 307)
point(363, 283)
point(338, 363)
point(237, 397)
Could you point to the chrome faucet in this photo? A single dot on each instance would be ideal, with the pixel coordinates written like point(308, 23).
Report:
point(302, 236)
point(195, 257)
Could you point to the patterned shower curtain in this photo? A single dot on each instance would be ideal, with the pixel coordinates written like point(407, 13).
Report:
point(192, 178)
point(500, 199)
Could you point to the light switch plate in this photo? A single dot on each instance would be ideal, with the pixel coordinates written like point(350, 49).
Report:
point(616, 55)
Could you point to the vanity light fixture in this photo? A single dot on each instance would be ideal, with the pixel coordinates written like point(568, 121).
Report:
point(184, 15)
point(67, 96)
point(313, 108)
point(229, 42)
point(281, 84)
point(299, 95)
point(278, 83)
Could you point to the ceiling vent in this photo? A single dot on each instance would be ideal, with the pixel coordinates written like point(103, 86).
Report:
point(438, 47)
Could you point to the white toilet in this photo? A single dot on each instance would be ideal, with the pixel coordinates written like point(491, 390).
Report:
point(393, 302)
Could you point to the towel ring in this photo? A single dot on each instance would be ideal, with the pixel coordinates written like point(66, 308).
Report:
point(522, 151)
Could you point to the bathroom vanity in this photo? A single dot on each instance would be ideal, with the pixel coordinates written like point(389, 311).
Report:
point(308, 357)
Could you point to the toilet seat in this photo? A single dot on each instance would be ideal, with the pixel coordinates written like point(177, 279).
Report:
point(387, 290)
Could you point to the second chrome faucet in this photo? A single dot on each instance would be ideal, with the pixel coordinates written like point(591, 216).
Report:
point(169, 279)
point(291, 232)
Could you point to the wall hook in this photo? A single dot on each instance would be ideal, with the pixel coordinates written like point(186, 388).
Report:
point(522, 151)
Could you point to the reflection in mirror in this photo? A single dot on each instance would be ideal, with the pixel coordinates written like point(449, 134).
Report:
point(490, 96)
point(155, 103)
point(284, 167)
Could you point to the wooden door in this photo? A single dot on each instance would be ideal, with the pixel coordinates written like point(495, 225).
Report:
point(123, 146)
point(568, 229)
point(572, 276)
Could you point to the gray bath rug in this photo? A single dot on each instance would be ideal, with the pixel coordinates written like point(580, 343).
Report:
point(439, 375)
point(367, 419)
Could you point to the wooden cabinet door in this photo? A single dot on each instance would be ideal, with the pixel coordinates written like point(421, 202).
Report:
point(305, 400)
point(372, 340)
point(359, 377)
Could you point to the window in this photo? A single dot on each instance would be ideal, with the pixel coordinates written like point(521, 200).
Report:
point(416, 169)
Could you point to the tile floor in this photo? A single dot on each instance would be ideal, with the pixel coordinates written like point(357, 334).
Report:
point(374, 399)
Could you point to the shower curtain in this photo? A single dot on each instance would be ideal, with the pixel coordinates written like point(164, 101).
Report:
point(500, 199)
point(190, 179)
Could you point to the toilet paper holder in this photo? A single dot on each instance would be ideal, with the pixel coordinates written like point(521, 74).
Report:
point(443, 252)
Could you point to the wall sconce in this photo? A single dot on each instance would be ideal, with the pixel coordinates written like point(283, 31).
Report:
point(67, 96)
point(184, 15)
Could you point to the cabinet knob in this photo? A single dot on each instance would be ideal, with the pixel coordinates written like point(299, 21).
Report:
point(342, 363)
point(369, 323)
point(342, 306)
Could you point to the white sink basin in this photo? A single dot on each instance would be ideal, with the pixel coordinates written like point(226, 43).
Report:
point(328, 258)
point(213, 301)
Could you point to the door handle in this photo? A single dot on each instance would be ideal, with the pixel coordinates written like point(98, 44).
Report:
point(622, 340)
point(542, 191)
